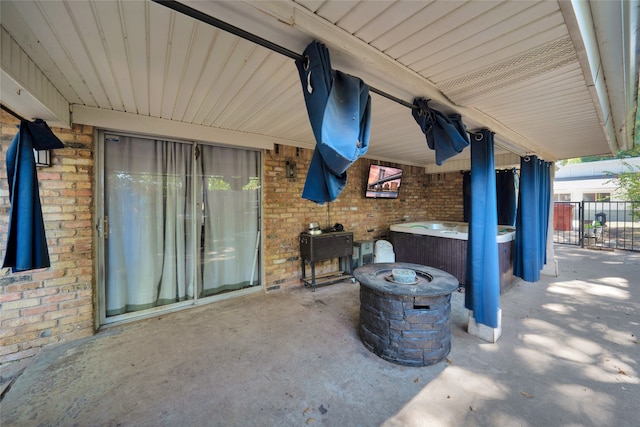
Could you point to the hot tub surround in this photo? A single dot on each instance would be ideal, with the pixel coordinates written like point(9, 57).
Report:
point(450, 230)
point(443, 245)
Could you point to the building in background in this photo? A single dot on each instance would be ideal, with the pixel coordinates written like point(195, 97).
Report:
point(591, 181)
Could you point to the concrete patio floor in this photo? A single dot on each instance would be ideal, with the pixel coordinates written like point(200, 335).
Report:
point(568, 356)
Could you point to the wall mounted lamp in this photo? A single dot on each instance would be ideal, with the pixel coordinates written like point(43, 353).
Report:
point(42, 157)
point(290, 169)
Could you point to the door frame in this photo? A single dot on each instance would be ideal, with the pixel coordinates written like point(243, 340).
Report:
point(101, 321)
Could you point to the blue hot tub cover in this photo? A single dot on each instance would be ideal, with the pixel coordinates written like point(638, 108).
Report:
point(339, 109)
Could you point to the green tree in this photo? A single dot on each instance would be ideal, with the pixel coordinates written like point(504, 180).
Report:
point(629, 184)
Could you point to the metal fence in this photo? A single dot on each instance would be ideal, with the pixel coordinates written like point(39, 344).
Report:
point(597, 224)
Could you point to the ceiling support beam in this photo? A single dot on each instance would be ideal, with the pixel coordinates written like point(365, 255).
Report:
point(165, 128)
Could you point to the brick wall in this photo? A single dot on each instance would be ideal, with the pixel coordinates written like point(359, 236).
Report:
point(286, 214)
point(50, 305)
point(446, 188)
point(56, 304)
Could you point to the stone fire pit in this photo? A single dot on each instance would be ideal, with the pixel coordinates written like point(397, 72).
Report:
point(405, 322)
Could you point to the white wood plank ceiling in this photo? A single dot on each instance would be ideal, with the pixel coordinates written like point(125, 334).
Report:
point(511, 66)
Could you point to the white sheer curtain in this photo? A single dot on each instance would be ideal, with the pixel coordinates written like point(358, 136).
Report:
point(231, 200)
point(148, 199)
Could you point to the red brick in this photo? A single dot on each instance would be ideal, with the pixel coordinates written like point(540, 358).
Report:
point(10, 297)
point(21, 304)
point(19, 287)
point(38, 309)
point(19, 339)
point(9, 314)
point(76, 303)
point(58, 298)
point(40, 292)
point(46, 275)
point(61, 313)
point(77, 319)
point(40, 326)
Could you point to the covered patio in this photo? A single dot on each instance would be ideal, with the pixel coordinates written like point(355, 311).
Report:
point(568, 355)
point(551, 79)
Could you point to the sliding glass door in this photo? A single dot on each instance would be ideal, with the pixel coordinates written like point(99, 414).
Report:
point(180, 223)
point(231, 205)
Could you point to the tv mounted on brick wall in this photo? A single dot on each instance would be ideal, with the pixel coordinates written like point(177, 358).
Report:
point(383, 182)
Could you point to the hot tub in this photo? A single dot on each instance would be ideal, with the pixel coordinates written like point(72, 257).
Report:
point(443, 245)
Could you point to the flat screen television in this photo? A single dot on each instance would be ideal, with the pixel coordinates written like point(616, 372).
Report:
point(383, 182)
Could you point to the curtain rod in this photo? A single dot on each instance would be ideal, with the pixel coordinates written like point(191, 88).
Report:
point(511, 150)
point(497, 144)
point(13, 113)
point(208, 19)
point(215, 22)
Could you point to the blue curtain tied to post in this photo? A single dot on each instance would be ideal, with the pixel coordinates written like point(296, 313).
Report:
point(482, 293)
point(447, 135)
point(26, 239)
point(339, 109)
point(532, 219)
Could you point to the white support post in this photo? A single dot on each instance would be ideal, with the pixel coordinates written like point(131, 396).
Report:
point(485, 332)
